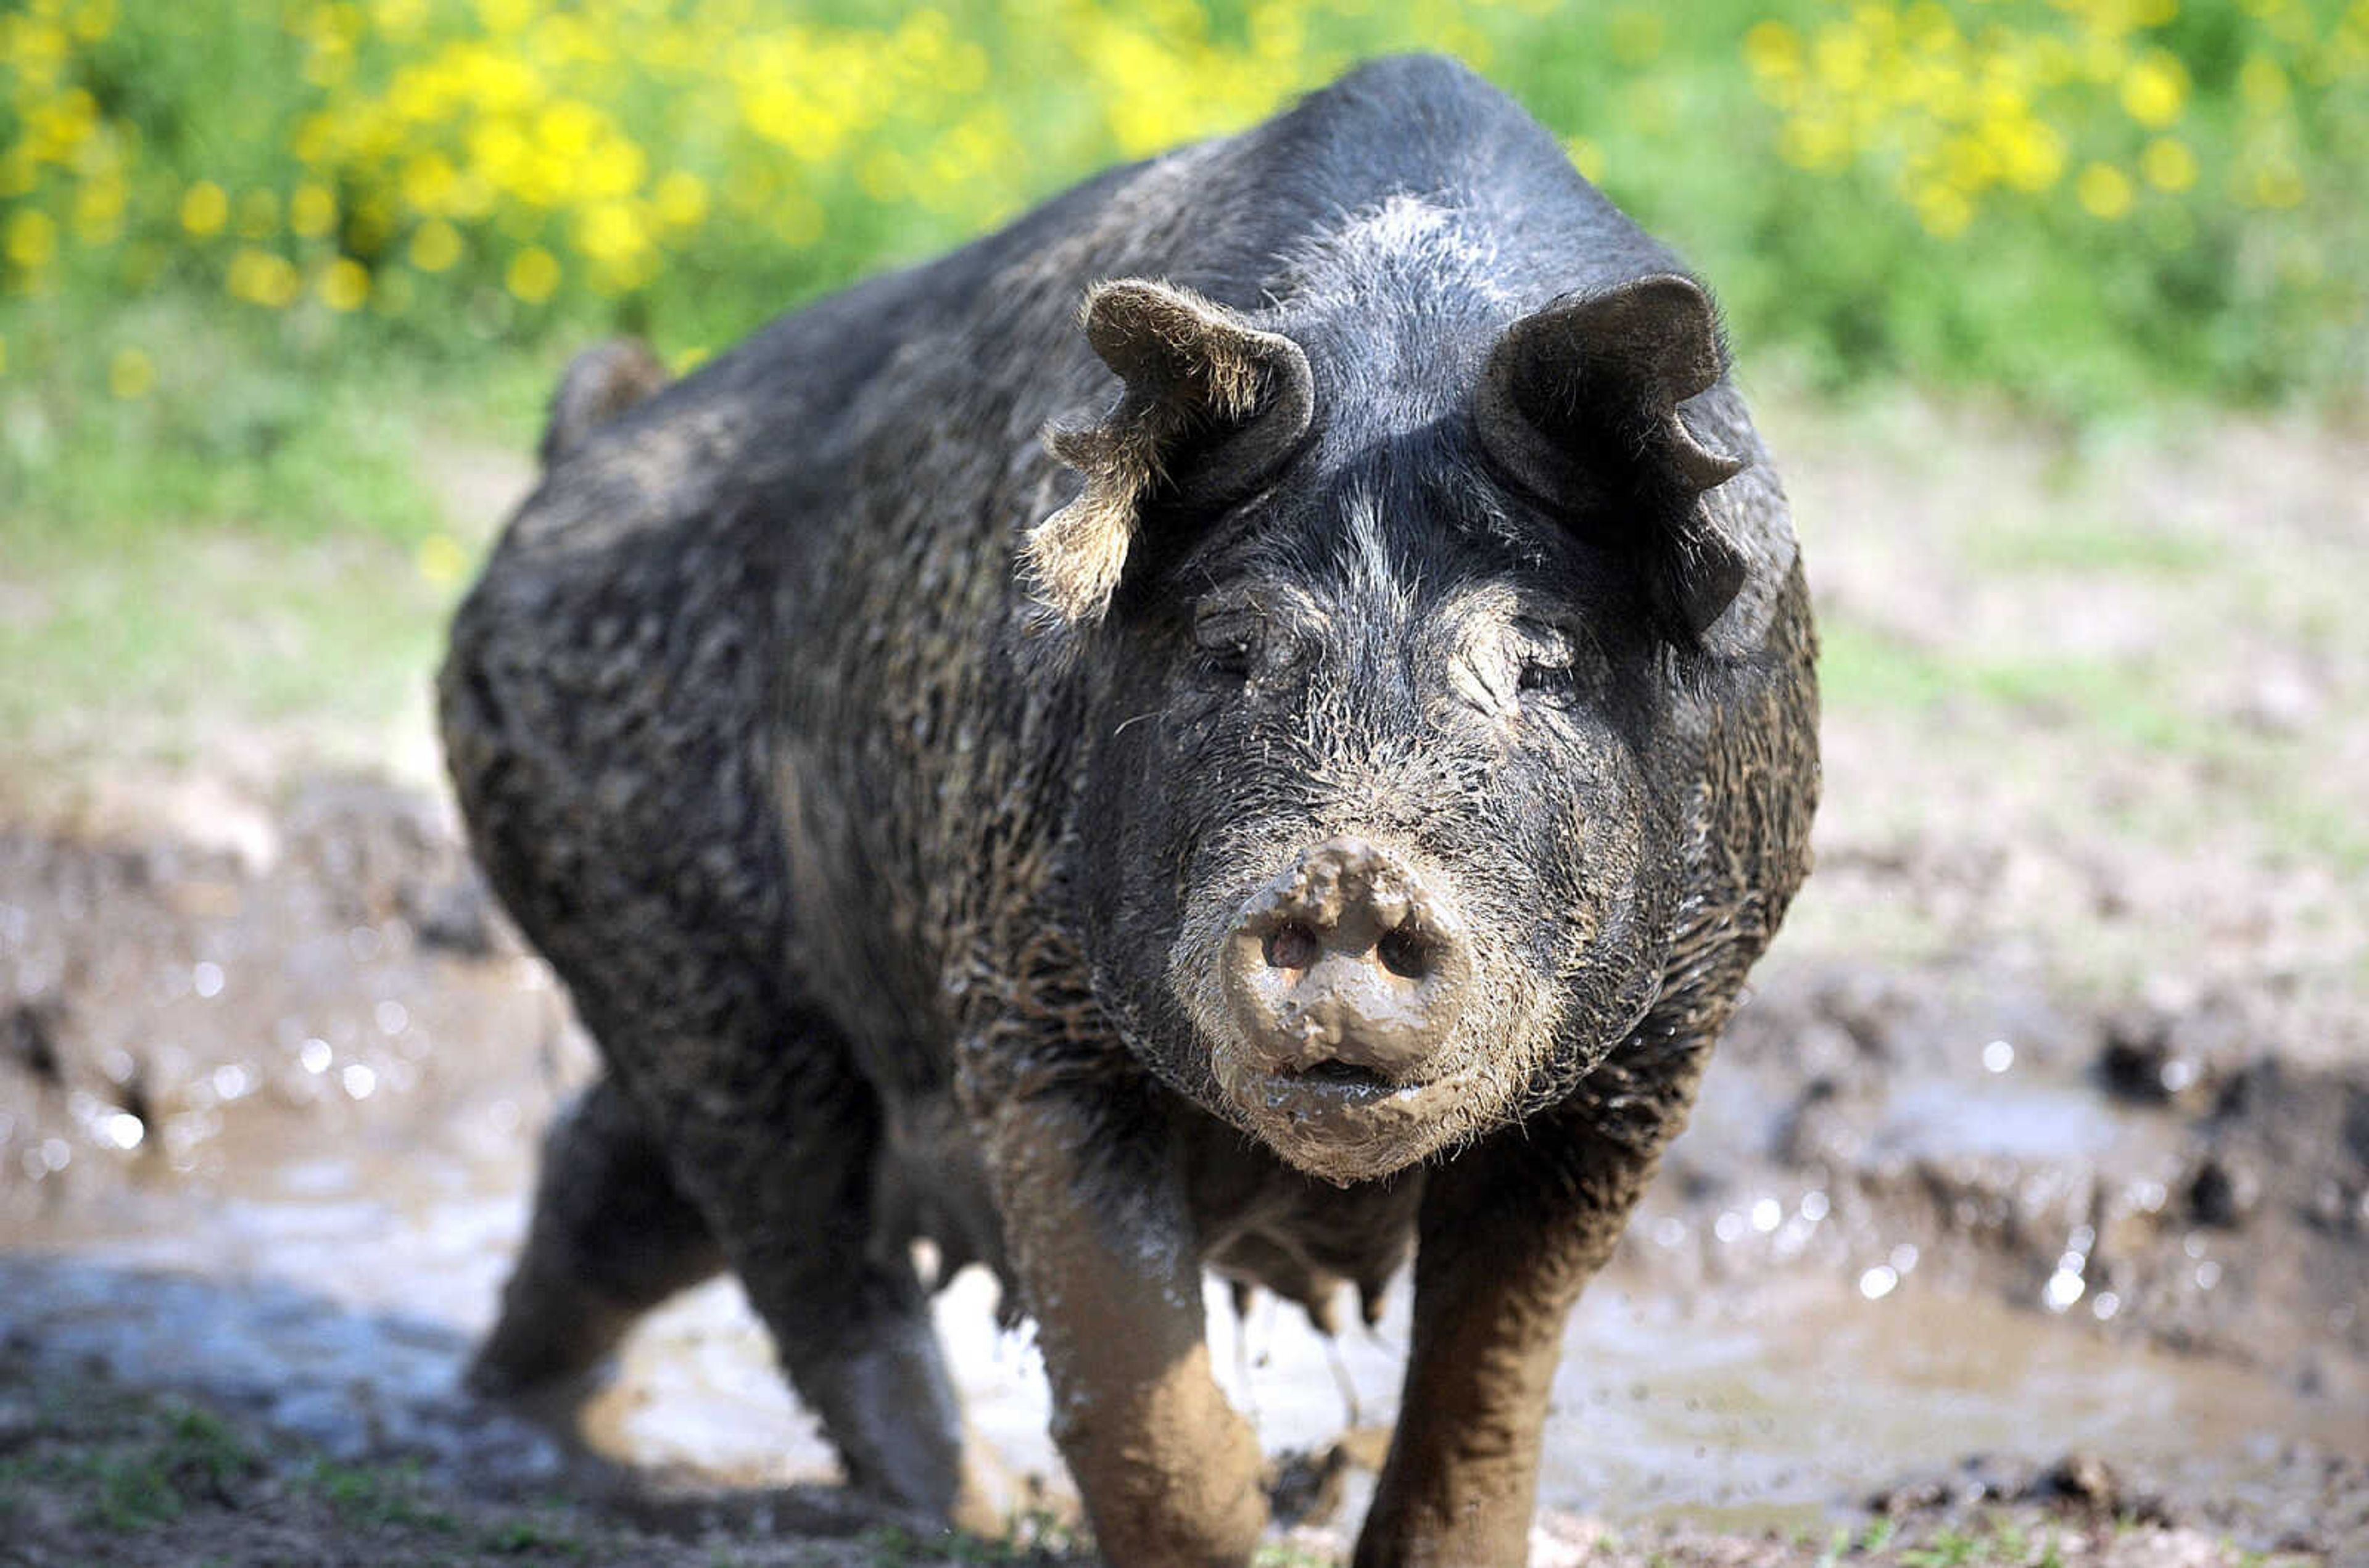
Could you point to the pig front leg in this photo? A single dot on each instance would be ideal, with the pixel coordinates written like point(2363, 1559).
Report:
point(1508, 1235)
point(1097, 1228)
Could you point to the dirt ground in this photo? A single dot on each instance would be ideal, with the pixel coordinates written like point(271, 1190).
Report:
point(2025, 1218)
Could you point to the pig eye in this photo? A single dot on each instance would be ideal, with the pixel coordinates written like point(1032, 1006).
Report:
point(1548, 659)
point(1227, 635)
point(1548, 679)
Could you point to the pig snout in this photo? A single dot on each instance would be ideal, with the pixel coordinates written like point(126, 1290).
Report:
point(1345, 966)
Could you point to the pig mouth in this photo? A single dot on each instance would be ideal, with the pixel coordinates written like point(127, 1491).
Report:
point(1344, 1122)
point(1342, 1075)
point(1326, 1087)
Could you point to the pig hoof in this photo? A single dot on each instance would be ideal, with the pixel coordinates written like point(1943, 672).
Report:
point(541, 1361)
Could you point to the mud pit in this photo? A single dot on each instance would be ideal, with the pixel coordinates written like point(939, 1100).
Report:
point(2030, 1195)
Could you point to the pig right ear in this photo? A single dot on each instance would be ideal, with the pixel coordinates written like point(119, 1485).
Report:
point(1580, 404)
point(1212, 405)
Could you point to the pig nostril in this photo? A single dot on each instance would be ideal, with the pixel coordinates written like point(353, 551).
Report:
point(1404, 953)
point(1293, 946)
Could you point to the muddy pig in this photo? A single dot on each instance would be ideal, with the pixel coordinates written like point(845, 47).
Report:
point(1252, 721)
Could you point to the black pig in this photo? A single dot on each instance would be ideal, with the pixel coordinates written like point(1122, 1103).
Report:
point(1316, 795)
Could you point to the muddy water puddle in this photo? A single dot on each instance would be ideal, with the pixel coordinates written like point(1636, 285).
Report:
point(266, 1133)
point(349, 1324)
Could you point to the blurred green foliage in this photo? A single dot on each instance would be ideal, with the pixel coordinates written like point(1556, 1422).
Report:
point(2086, 204)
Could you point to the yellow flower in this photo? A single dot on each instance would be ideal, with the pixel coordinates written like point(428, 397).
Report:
point(967, 72)
point(94, 19)
point(1814, 143)
point(567, 128)
point(2030, 154)
point(1969, 164)
point(625, 274)
point(427, 181)
point(37, 47)
point(2275, 183)
point(1842, 60)
point(441, 560)
point(1944, 211)
point(681, 199)
point(32, 239)
point(1587, 156)
point(130, 376)
point(499, 151)
point(505, 16)
point(435, 246)
point(262, 278)
point(1930, 26)
point(611, 232)
point(205, 209)
point(2262, 84)
point(417, 95)
point(2167, 163)
point(98, 211)
point(311, 210)
point(534, 274)
point(316, 139)
point(2155, 89)
point(471, 196)
point(613, 167)
point(345, 284)
point(397, 18)
point(2104, 191)
point(2053, 60)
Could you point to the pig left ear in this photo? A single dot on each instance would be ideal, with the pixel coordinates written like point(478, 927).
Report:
point(1212, 405)
point(1579, 404)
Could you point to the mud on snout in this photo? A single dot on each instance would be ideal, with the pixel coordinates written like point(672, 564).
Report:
point(1360, 1010)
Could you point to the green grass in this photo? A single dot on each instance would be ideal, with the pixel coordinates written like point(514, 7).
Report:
point(1997, 1546)
point(2076, 543)
point(168, 639)
point(259, 558)
point(1034, 1538)
point(255, 423)
point(1285, 1556)
point(386, 1497)
point(1996, 704)
point(529, 1538)
point(1862, 668)
point(149, 1474)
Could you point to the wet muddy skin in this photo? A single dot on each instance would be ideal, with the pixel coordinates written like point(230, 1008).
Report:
point(266, 1123)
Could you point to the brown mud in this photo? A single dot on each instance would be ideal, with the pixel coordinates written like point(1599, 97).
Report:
point(2026, 1209)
